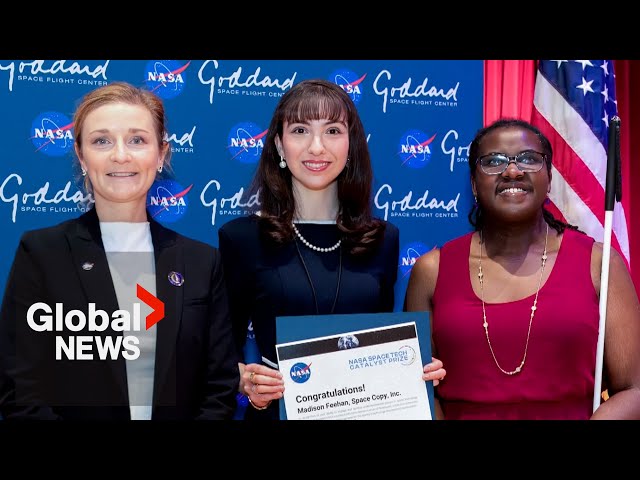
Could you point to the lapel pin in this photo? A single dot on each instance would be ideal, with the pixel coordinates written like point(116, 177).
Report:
point(176, 279)
point(87, 266)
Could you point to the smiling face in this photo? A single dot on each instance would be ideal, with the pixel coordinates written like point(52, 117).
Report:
point(316, 152)
point(511, 195)
point(121, 153)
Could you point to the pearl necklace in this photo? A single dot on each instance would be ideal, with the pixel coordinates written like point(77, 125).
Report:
point(534, 307)
point(313, 247)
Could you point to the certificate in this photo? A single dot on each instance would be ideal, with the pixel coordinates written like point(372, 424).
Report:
point(370, 374)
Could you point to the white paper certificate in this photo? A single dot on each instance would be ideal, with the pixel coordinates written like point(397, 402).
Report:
point(373, 374)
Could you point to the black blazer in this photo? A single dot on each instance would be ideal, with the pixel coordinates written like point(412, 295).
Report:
point(196, 372)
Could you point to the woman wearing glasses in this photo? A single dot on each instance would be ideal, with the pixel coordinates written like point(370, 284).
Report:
point(515, 302)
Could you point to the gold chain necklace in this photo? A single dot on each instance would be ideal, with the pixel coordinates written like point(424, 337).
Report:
point(534, 307)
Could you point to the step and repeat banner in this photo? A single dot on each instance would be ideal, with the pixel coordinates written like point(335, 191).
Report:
point(420, 117)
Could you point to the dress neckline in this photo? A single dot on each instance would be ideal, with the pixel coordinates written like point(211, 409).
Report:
point(318, 222)
point(528, 297)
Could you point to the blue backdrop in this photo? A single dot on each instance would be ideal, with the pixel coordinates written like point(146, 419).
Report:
point(420, 117)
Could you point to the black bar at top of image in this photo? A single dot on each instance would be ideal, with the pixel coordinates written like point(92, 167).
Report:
point(365, 339)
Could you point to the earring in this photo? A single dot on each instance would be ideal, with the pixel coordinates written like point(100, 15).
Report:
point(475, 201)
point(84, 172)
point(347, 162)
point(282, 163)
point(160, 169)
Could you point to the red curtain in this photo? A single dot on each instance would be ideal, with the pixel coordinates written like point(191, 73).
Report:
point(508, 92)
point(508, 89)
point(628, 74)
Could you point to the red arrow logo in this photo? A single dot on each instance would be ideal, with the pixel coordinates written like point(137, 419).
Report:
point(155, 303)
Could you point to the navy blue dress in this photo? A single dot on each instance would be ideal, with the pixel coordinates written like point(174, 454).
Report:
point(265, 280)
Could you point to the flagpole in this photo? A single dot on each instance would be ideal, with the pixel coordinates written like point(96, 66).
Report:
point(612, 190)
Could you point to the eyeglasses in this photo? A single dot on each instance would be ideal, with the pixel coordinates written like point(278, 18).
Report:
point(527, 162)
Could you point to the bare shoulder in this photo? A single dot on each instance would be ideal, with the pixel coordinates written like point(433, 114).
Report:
point(598, 250)
point(617, 264)
point(426, 265)
point(422, 281)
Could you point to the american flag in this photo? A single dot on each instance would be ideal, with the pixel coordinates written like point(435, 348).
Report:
point(574, 100)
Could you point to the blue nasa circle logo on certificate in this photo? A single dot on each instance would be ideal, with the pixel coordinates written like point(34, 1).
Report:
point(300, 372)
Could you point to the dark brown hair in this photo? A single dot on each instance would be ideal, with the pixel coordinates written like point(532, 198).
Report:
point(318, 99)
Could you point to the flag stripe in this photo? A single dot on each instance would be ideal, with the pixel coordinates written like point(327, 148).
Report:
point(575, 173)
point(578, 194)
point(571, 127)
point(576, 212)
point(573, 102)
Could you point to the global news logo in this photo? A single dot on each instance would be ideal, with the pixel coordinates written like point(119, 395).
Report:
point(42, 318)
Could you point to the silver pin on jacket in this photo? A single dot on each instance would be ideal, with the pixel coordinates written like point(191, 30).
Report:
point(87, 266)
point(176, 279)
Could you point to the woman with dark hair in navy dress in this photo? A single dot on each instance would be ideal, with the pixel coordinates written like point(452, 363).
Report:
point(315, 247)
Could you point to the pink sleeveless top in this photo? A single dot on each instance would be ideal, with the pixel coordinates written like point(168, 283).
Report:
point(557, 379)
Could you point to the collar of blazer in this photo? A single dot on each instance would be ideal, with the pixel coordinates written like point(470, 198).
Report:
point(86, 244)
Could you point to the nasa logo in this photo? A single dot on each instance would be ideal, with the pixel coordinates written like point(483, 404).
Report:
point(414, 150)
point(409, 253)
point(167, 200)
point(51, 133)
point(349, 82)
point(245, 142)
point(300, 372)
point(165, 77)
